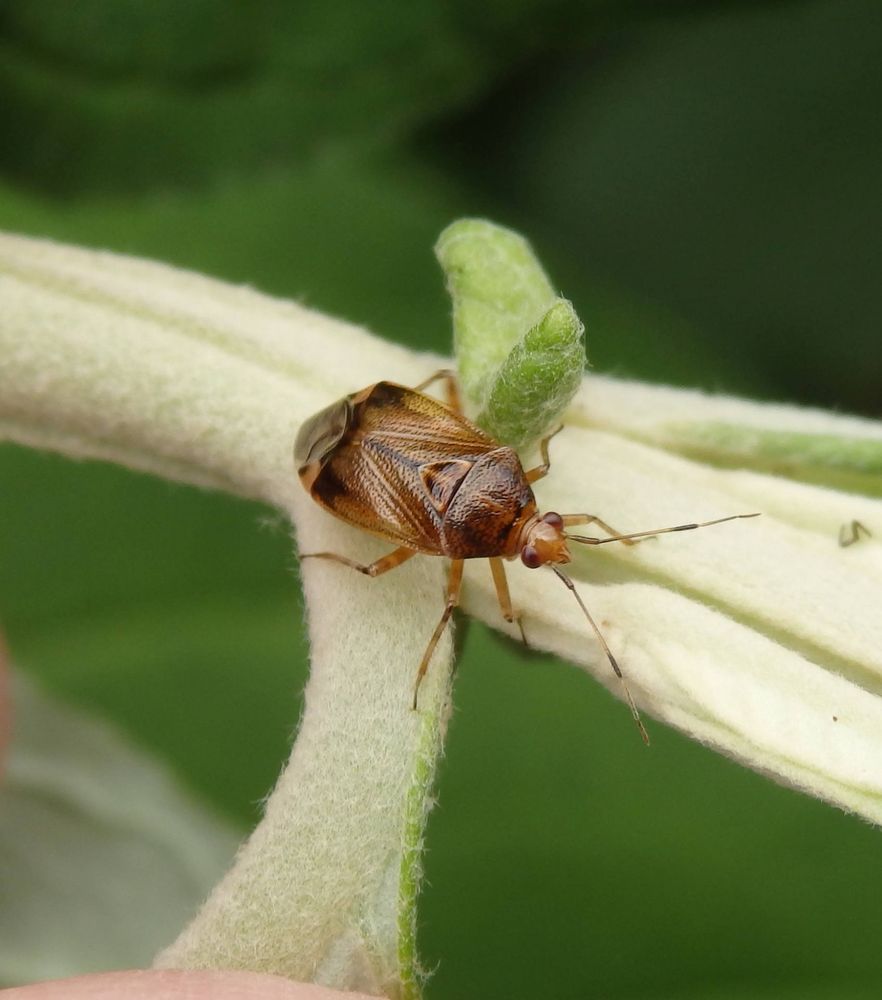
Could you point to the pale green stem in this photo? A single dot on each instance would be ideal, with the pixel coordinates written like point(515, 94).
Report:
point(175, 374)
point(759, 638)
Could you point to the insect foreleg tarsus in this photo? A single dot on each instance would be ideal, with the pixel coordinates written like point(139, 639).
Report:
point(451, 387)
point(376, 568)
point(497, 568)
point(454, 585)
point(542, 470)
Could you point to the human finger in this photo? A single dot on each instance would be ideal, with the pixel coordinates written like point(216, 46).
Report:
point(166, 984)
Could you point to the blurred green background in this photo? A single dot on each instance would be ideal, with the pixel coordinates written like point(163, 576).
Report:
point(703, 180)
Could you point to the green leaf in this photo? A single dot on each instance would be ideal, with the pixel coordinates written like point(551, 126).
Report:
point(538, 378)
point(847, 463)
point(303, 215)
point(164, 95)
point(806, 445)
point(518, 346)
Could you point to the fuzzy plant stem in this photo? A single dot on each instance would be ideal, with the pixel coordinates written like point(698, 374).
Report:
point(171, 373)
point(104, 357)
point(759, 638)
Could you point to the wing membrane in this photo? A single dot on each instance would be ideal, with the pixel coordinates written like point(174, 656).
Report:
point(384, 475)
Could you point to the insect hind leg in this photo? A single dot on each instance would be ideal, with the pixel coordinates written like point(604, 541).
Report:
point(379, 566)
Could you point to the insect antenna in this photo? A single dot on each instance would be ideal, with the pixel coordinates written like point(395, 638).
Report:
point(568, 583)
point(587, 540)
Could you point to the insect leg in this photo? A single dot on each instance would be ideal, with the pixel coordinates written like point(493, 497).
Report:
point(587, 540)
point(850, 533)
point(395, 558)
point(542, 470)
point(451, 388)
point(454, 584)
point(498, 570)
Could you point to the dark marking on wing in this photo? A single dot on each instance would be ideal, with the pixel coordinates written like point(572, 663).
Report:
point(398, 465)
point(443, 479)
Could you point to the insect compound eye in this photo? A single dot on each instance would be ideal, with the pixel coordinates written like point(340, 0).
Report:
point(555, 520)
point(530, 557)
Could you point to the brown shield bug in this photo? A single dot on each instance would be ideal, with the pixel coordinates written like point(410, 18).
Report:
point(417, 473)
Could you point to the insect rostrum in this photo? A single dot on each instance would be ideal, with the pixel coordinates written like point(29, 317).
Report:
point(404, 466)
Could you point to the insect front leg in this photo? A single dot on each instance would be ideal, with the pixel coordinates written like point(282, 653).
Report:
point(497, 568)
point(376, 568)
point(451, 387)
point(454, 585)
point(541, 471)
